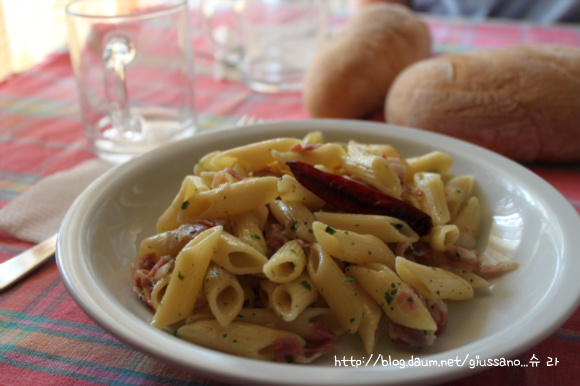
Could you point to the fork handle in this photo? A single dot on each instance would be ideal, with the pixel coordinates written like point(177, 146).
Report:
point(21, 265)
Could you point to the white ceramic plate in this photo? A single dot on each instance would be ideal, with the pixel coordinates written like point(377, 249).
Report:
point(525, 219)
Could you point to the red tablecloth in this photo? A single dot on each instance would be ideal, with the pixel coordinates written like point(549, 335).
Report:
point(45, 339)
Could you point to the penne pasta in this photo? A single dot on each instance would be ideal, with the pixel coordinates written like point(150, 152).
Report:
point(203, 313)
point(295, 217)
point(224, 294)
point(433, 162)
point(190, 186)
point(469, 217)
point(302, 325)
point(333, 285)
point(433, 282)
point(396, 298)
point(248, 261)
point(327, 155)
point(238, 338)
point(159, 290)
point(351, 246)
point(229, 199)
point(313, 137)
point(290, 190)
point(204, 164)
point(252, 157)
point(381, 150)
point(475, 281)
point(369, 329)
point(248, 228)
point(290, 299)
point(170, 242)
point(443, 237)
point(387, 229)
point(374, 170)
point(261, 214)
point(434, 202)
point(457, 191)
point(238, 257)
point(187, 278)
point(287, 263)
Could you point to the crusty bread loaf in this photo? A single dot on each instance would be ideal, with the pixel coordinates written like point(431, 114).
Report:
point(351, 74)
point(520, 101)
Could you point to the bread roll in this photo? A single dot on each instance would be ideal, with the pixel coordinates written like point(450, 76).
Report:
point(351, 74)
point(520, 101)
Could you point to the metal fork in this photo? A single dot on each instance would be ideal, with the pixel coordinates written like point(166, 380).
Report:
point(18, 267)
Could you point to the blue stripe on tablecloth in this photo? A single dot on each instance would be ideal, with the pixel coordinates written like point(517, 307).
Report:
point(13, 184)
point(14, 176)
point(60, 294)
point(30, 323)
point(21, 325)
point(121, 376)
point(26, 322)
point(12, 192)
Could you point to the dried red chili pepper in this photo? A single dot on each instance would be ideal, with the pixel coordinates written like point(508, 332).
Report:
point(355, 197)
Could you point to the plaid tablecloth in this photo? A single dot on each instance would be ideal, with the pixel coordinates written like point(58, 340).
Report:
point(45, 339)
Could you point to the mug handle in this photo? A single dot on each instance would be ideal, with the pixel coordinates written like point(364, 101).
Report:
point(117, 54)
point(223, 38)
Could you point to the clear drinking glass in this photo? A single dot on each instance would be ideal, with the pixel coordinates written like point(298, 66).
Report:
point(134, 69)
point(272, 42)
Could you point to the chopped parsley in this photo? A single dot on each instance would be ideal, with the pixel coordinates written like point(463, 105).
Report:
point(294, 226)
point(388, 298)
point(329, 230)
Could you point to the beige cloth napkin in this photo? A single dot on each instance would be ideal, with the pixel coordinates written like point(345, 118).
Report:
point(36, 214)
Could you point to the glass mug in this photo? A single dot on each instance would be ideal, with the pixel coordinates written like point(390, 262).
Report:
point(134, 70)
point(271, 42)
